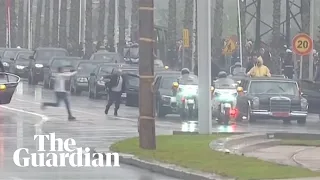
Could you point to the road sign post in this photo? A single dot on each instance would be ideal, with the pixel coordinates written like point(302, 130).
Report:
point(186, 44)
point(302, 45)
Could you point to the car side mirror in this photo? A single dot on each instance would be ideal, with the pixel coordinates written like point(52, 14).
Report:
point(92, 74)
point(31, 57)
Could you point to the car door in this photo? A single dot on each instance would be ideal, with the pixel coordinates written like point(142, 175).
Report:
point(132, 85)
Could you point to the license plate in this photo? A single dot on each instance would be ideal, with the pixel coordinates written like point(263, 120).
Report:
point(280, 114)
point(190, 101)
point(124, 95)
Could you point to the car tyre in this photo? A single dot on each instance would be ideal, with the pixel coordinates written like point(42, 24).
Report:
point(159, 111)
point(302, 121)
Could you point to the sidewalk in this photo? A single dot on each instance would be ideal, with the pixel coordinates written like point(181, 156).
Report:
point(307, 157)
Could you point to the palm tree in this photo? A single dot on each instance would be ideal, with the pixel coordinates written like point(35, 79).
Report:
point(55, 25)
point(2, 24)
point(122, 25)
point(37, 36)
point(217, 31)
point(63, 24)
point(276, 35)
point(172, 31)
point(188, 24)
point(134, 21)
point(74, 25)
point(102, 14)
point(13, 23)
point(110, 26)
point(88, 30)
point(46, 26)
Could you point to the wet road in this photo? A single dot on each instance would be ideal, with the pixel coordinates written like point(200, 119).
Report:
point(20, 119)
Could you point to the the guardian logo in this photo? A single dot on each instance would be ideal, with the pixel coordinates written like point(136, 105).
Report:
point(63, 156)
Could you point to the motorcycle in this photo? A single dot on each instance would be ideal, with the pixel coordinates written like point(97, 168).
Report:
point(224, 106)
point(186, 97)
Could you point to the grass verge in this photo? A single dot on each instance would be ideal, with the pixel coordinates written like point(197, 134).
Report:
point(293, 142)
point(193, 151)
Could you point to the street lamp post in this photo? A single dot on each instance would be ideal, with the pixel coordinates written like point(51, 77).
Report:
point(29, 26)
point(240, 31)
point(204, 65)
point(312, 4)
point(146, 72)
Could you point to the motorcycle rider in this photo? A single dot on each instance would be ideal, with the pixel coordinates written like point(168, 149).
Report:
point(185, 77)
point(288, 66)
point(223, 81)
point(259, 70)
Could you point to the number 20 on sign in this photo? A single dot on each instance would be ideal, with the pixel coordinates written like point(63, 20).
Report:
point(302, 44)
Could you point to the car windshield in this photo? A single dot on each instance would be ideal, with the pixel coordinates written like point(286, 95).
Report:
point(225, 83)
point(10, 54)
point(48, 54)
point(273, 87)
point(133, 81)
point(61, 63)
point(24, 56)
point(86, 67)
point(105, 56)
point(168, 81)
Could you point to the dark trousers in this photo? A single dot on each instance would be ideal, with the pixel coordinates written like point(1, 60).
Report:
point(114, 97)
point(60, 96)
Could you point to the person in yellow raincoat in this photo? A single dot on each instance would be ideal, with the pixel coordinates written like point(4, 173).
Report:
point(259, 70)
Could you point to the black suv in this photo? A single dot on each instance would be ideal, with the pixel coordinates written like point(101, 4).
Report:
point(272, 98)
point(41, 58)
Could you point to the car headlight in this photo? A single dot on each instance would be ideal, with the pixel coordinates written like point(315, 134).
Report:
point(166, 98)
point(19, 67)
point(39, 65)
point(101, 83)
point(304, 104)
point(82, 79)
point(5, 64)
point(255, 103)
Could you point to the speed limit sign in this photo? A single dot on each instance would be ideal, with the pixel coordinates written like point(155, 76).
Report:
point(302, 44)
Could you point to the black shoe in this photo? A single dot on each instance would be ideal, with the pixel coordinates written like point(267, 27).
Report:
point(115, 113)
point(71, 118)
point(106, 111)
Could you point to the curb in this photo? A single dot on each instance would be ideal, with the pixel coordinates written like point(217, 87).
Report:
point(196, 133)
point(169, 169)
point(299, 136)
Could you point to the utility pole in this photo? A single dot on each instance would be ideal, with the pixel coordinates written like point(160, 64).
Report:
point(312, 4)
point(29, 26)
point(204, 65)
point(146, 71)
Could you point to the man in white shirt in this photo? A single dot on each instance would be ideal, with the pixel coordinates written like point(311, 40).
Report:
point(60, 91)
point(116, 87)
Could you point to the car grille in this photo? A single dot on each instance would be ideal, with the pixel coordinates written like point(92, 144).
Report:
point(280, 105)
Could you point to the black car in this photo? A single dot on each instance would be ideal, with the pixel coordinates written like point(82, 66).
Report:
point(109, 57)
point(68, 64)
point(40, 58)
point(272, 98)
point(165, 100)
point(97, 79)
point(8, 56)
point(79, 82)
point(19, 64)
point(311, 91)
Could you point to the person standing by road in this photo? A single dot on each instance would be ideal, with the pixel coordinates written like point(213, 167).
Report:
point(116, 86)
point(60, 91)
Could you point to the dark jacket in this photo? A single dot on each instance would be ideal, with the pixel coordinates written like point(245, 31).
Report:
point(114, 82)
point(249, 66)
point(1, 67)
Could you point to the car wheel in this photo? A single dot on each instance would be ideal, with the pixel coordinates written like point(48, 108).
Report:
point(302, 121)
point(249, 117)
point(45, 84)
point(159, 111)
